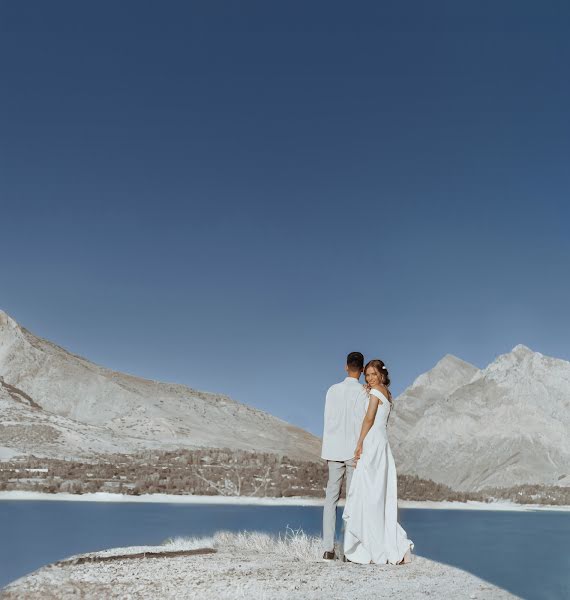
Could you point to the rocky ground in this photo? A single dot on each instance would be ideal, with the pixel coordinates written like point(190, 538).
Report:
point(249, 565)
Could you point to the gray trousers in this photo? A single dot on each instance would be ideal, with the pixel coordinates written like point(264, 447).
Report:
point(337, 470)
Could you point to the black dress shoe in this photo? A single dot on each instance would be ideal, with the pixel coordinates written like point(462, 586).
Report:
point(329, 555)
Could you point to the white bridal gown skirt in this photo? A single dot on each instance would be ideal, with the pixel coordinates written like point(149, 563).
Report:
point(372, 532)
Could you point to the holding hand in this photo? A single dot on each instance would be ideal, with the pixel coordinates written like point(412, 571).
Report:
point(357, 452)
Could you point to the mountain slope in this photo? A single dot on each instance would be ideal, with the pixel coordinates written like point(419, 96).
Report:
point(447, 375)
point(27, 429)
point(156, 414)
point(505, 425)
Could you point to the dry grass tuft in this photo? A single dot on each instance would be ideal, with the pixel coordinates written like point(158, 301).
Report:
point(294, 544)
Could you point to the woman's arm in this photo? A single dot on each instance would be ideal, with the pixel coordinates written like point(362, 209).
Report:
point(367, 423)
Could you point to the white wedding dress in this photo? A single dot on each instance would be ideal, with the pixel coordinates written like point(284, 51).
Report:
point(372, 532)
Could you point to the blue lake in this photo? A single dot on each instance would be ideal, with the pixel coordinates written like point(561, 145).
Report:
point(526, 553)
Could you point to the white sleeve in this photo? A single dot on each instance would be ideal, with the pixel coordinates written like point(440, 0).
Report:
point(378, 394)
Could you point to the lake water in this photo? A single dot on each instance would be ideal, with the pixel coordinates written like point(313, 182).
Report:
point(526, 553)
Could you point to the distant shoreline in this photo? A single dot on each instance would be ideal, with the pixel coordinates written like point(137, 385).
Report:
point(257, 501)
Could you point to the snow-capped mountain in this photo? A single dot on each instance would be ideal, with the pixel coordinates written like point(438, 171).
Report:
point(505, 425)
point(85, 409)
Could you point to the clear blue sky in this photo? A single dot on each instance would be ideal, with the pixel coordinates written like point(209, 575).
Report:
point(233, 195)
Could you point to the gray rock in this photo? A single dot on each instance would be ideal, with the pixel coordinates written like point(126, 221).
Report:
point(505, 425)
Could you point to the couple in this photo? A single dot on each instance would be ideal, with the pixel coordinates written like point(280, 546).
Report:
point(355, 443)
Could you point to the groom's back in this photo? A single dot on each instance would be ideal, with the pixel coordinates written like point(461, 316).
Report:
point(345, 406)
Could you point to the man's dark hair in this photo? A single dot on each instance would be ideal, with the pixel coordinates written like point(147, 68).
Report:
point(355, 361)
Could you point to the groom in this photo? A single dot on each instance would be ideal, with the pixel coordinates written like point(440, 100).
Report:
point(345, 406)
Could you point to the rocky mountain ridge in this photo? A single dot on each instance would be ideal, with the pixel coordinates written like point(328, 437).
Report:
point(126, 411)
point(501, 426)
point(467, 428)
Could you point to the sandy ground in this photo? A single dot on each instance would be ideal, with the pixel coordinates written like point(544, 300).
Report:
point(252, 500)
point(248, 565)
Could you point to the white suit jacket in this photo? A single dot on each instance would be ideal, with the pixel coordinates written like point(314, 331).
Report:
point(345, 407)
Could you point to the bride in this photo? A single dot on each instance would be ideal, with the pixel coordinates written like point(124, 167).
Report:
point(372, 532)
